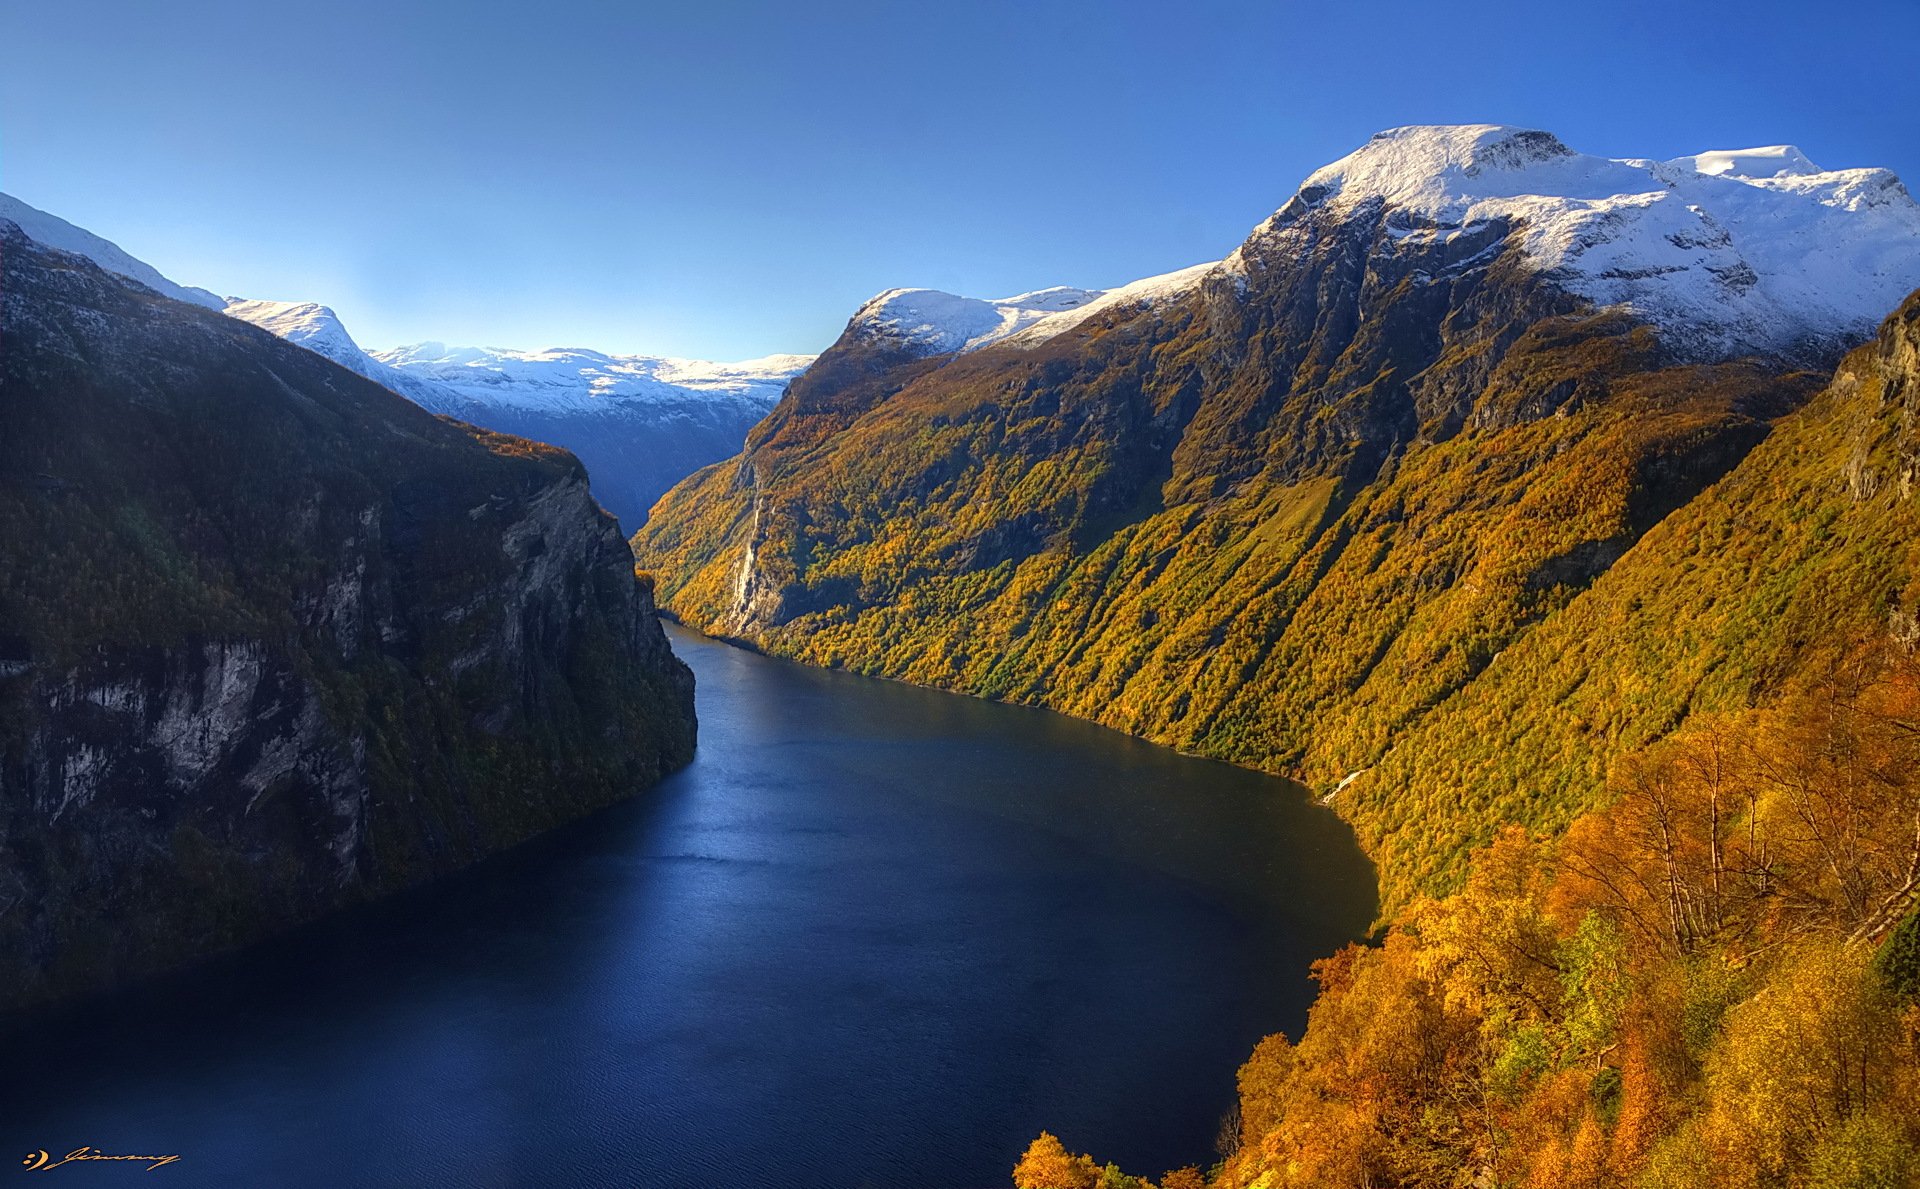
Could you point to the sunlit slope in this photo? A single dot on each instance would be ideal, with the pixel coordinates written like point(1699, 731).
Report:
point(1294, 509)
point(1813, 541)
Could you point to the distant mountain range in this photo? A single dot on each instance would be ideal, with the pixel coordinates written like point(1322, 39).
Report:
point(1298, 508)
point(640, 423)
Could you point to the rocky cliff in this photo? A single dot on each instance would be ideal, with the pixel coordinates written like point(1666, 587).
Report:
point(273, 640)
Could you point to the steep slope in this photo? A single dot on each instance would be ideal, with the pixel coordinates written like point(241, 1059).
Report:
point(55, 232)
point(1809, 546)
point(274, 640)
point(1283, 509)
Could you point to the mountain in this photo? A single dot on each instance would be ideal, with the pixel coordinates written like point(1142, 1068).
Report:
point(54, 232)
point(1659, 995)
point(640, 423)
point(1808, 547)
point(1291, 508)
point(273, 639)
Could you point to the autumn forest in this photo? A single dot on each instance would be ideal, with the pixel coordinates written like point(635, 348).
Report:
point(1706, 985)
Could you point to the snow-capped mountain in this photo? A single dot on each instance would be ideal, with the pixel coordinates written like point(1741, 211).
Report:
point(1295, 507)
point(313, 326)
point(56, 232)
point(639, 422)
point(1728, 251)
point(577, 380)
point(319, 329)
point(937, 323)
point(933, 322)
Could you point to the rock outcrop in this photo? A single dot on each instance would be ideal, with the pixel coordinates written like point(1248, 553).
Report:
point(273, 639)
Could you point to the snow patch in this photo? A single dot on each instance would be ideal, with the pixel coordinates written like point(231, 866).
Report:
point(938, 323)
point(1147, 292)
point(1773, 161)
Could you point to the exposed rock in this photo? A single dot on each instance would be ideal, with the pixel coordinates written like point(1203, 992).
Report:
point(278, 640)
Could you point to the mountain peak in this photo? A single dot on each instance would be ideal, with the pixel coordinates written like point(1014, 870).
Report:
point(1431, 165)
point(1731, 251)
point(934, 322)
point(1417, 155)
point(313, 326)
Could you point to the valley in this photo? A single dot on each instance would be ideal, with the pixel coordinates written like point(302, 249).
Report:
point(1303, 510)
point(1492, 588)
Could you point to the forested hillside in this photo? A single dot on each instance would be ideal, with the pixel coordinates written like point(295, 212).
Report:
point(1712, 979)
point(1349, 505)
point(1712, 983)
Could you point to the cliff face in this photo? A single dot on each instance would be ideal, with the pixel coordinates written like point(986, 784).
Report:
point(1282, 514)
point(273, 639)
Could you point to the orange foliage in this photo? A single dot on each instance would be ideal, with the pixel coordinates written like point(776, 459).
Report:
point(1681, 994)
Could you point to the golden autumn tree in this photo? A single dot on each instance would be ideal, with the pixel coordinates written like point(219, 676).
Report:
point(1048, 1165)
point(1711, 982)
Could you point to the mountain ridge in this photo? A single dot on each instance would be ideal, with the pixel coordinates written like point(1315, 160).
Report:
point(640, 422)
point(1284, 512)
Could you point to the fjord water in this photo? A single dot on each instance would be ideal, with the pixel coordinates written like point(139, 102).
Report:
point(874, 936)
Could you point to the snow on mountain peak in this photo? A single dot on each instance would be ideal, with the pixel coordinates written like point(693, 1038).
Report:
point(1731, 251)
point(938, 323)
point(1145, 292)
point(1424, 164)
point(461, 381)
point(55, 232)
point(1772, 161)
point(315, 327)
point(561, 380)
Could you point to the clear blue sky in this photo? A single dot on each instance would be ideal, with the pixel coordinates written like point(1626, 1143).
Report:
point(724, 180)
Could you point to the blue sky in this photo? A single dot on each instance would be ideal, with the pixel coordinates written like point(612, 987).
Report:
point(724, 180)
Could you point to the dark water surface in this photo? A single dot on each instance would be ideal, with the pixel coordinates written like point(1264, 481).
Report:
point(874, 936)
